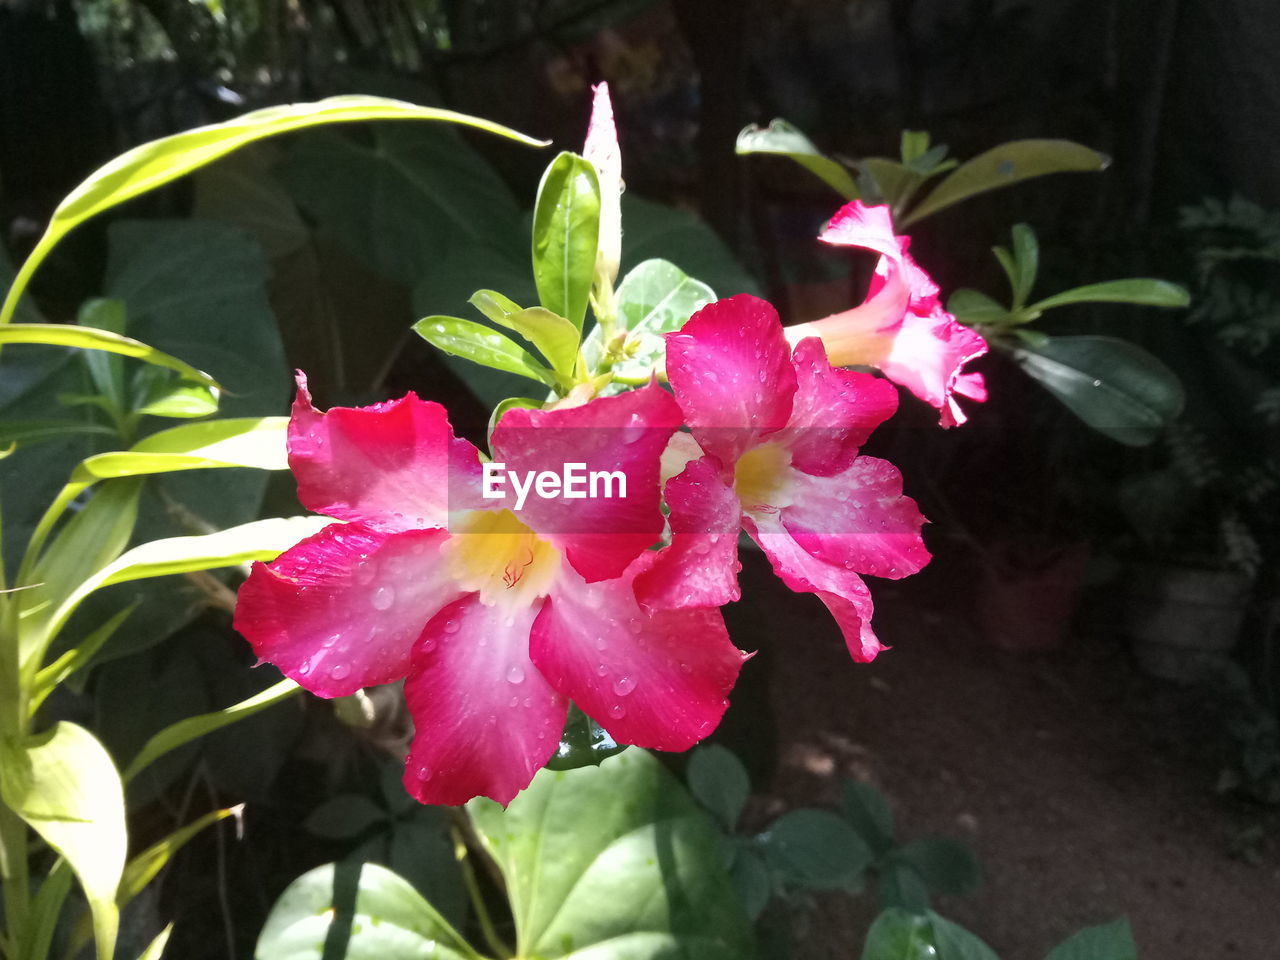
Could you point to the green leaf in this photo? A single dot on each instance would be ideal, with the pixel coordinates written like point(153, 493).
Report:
point(483, 345)
point(1115, 387)
point(77, 657)
point(105, 369)
point(719, 781)
point(954, 942)
point(511, 403)
point(64, 785)
point(1110, 941)
point(346, 815)
point(566, 235)
point(90, 338)
point(913, 145)
point(1026, 257)
point(613, 861)
point(551, 333)
point(144, 867)
point(817, 849)
point(162, 397)
point(900, 885)
point(389, 921)
point(899, 935)
point(654, 230)
point(946, 865)
point(583, 742)
point(160, 161)
point(973, 308)
point(890, 181)
point(751, 879)
point(184, 731)
point(654, 298)
point(1141, 290)
point(29, 431)
point(155, 949)
point(1004, 165)
point(868, 810)
point(782, 139)
point(257, 442)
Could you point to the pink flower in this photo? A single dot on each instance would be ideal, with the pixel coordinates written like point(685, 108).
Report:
point(780, 432)
point(496, 616)
point(902, 327)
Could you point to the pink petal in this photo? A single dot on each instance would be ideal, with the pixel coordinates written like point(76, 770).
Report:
point(700, 567)
point(843, 591)
point(599, 536)
point(387, 465)
point(730, 367)
point(834, 411)
point(343, 608)
point(653, 679)
point(859, 520)
point(858, 225)
point(928, 357)
point(602, 150)
point(485, 719)
point(969, 384)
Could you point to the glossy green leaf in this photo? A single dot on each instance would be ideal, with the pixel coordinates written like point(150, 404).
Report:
point(954, 942)
point(752, 881)
point(1026, 258)
point(656, 297)
point(389, 921)
point(90, 338)
point(1114, 386)
point(105, 369)
point(613, 861)
point(1110, 941)
point(899, 935)
point(583, 742)
point(1003, 166)
point(890, 182)
point(160, 161)
point(817, 849)
point(257, 442)
point(163, 397)
point(868, 810)
point(900, 886)
point(1140, 290)
point(551, 333)
point(719, 781)
point(155, 949)
point(973, 307)
point(184, 731)
point(64, 785)
point(32, 431)
point(511, 403)
point(566, 236)
point(483, 345)
point(783, 139)
point(946, 865)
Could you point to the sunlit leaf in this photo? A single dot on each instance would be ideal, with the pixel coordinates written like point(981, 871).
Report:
point(566, 233)
point(1141, 290)
point(89, 338)
point(551, 333)
point(483, 345)
point(1004, 165)
point(783, 139)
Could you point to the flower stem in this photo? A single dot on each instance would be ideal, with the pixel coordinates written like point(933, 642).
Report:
point(490, 932)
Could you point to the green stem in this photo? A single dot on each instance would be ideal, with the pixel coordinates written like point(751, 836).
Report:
point(13, 874)
point(487, 928)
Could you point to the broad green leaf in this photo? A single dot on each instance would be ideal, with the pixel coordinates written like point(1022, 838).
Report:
point(1114, 386)
point(891, 182)
point(719, 781)
point(343, 816)
point(90, 338)
point(954, 942)
point(583, 742)
point(868, 810)
point(946, 865)
point(613, 861)
point(1110, 941)
point(1004, 165)
point(257, 540)
point(782, 139)
point(257, 442)
point(64, 785)
point(817, 849)
point(899, 935)
point(656, 231)
point(654, 298)
point(1141, 290)
point(156, 163)
point(106, 369)
point(184, 731)
point(483, 345)
point(388, 920)
point(900, 885)
point(752, 881)
point(1026, 257)
point(551, 333)
point(566, 234)
point(913, 145)
point(973, 307)
point(163, 397)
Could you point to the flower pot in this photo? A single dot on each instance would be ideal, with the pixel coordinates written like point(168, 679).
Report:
point(1026, 599)
point(1183, 621)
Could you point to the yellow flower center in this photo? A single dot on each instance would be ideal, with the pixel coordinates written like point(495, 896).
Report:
point(762, 477)
point(496, 555)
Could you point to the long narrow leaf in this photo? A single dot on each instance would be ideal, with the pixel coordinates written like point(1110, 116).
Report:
point(91, 338)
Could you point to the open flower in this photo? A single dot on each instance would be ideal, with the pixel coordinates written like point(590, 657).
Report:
point(780, 433)
point(902, 327)
point(496, 616)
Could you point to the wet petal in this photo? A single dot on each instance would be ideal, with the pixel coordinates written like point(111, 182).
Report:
point(835, 411)
point(928, 358)
point(627, 434)
point(730, 368)
point(843, 591)
point(485, 720)
point(656, 679)
point(858, 519)
point(700, 566)
point(343, 608)
point(387, 465)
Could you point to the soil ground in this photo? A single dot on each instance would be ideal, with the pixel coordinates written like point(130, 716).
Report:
point(1086, 789)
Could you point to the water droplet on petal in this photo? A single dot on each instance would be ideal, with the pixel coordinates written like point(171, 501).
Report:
point(451, 626)
point(601, 643)
point(617, 711)
point(383, 598)
point(515, 674)
point(624, 685)
point(305, 668)
point(339, 671)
